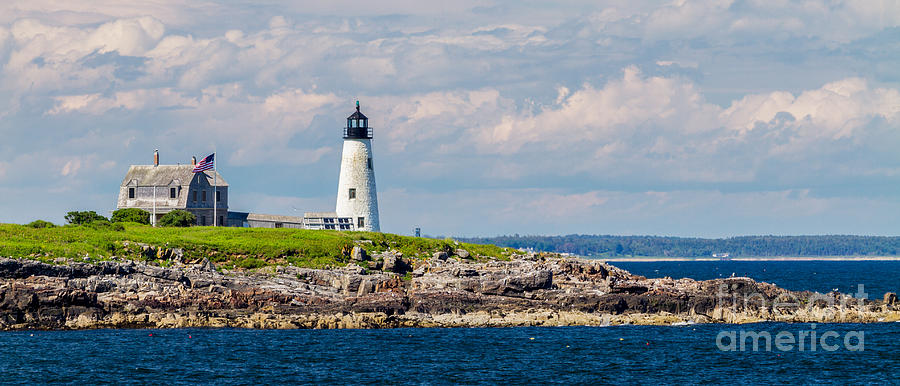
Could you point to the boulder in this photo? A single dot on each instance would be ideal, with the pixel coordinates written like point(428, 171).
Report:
point(206, 265)
point(358, 254)
point(890, 298)
point(365, 287)
point(462, 253)
point(441, 255)
point(393, 262)
point(390, 262)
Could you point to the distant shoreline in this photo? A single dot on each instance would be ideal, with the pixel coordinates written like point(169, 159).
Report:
point(755, 258)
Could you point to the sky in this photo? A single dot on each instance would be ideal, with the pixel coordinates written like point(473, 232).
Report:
point(707, 118)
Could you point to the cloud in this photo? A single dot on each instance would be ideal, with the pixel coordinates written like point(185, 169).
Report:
point(571, 113)
point(834, 110)
point(70, 168)
point(722, 20)
point(97, 104)
point(665, 128)
point(100, 11)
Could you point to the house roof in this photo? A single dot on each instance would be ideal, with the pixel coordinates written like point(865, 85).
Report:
point(166, 175)
point(320, 214)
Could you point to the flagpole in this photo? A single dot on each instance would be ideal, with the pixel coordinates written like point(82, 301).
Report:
point(154, 205)
point(215, 189)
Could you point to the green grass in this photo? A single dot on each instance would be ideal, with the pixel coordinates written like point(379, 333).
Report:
point(241, 247)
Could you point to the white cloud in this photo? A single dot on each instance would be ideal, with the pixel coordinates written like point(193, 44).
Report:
point(437, 117)
point(100, 11)
point(518, 98)
point(70, 168)
point(97, 104)
point(665, 126)
point(719, 20)
point(834, 110)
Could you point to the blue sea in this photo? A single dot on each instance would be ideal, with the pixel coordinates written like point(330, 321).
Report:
point(876, 277)
point(687, 354)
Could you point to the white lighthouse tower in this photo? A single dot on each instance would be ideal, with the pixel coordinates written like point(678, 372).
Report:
point(356, 197)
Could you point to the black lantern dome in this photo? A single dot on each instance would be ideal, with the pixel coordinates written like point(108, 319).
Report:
point(357, 126)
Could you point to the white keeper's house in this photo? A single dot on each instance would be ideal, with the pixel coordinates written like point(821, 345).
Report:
point(160, 189)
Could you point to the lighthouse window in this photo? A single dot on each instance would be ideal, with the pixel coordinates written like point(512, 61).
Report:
point(130, 192)
point(360, 222)
point(171, 192)
point(369, 162)
point(352, 193)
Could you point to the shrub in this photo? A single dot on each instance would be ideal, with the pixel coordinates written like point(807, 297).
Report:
point(251, 263)
point(81, 218)
point(178, 218)
point(139, 216)
point(105, 225)
point(41, 224)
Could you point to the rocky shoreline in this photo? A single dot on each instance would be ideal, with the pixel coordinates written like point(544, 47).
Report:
point(443, 291)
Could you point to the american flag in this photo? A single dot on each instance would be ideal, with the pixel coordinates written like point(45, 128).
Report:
point(206, 164)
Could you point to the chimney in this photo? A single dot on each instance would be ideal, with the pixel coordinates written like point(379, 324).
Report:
point(156, 157)
point(193, 161)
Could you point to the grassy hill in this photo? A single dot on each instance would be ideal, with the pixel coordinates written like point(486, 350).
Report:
point(243, 247)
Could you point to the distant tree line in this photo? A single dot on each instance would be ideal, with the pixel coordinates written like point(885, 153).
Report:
point(597, 245)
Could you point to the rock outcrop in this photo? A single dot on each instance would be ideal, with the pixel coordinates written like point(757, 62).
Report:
point(444, 291)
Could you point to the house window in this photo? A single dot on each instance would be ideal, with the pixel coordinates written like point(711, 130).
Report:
point(202, 220)
point(203, 194)
point(172, 192)
point(352, 193)
point(130, 192)
point(329, 227)
point(221, 220)
point(195, 195)
point(360, 222)
point(279, 225)
point(369, 162)
point(218, 198)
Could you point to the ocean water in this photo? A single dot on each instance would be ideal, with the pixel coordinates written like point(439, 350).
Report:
point(619, 354)
point(877, 277)
point(689, 354)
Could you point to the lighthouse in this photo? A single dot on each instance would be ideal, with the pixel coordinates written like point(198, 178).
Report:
point(356, 196)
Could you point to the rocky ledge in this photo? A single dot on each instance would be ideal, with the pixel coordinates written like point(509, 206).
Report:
point(445, 291)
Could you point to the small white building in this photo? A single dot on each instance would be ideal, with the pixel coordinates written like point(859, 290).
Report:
point(310, 220)
point(327, 220)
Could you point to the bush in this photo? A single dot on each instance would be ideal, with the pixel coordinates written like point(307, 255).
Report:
point(105, 225)
point(178, 218)
point(41, 224)
point(139, 216)
point(81, 218)
point(251, 263)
